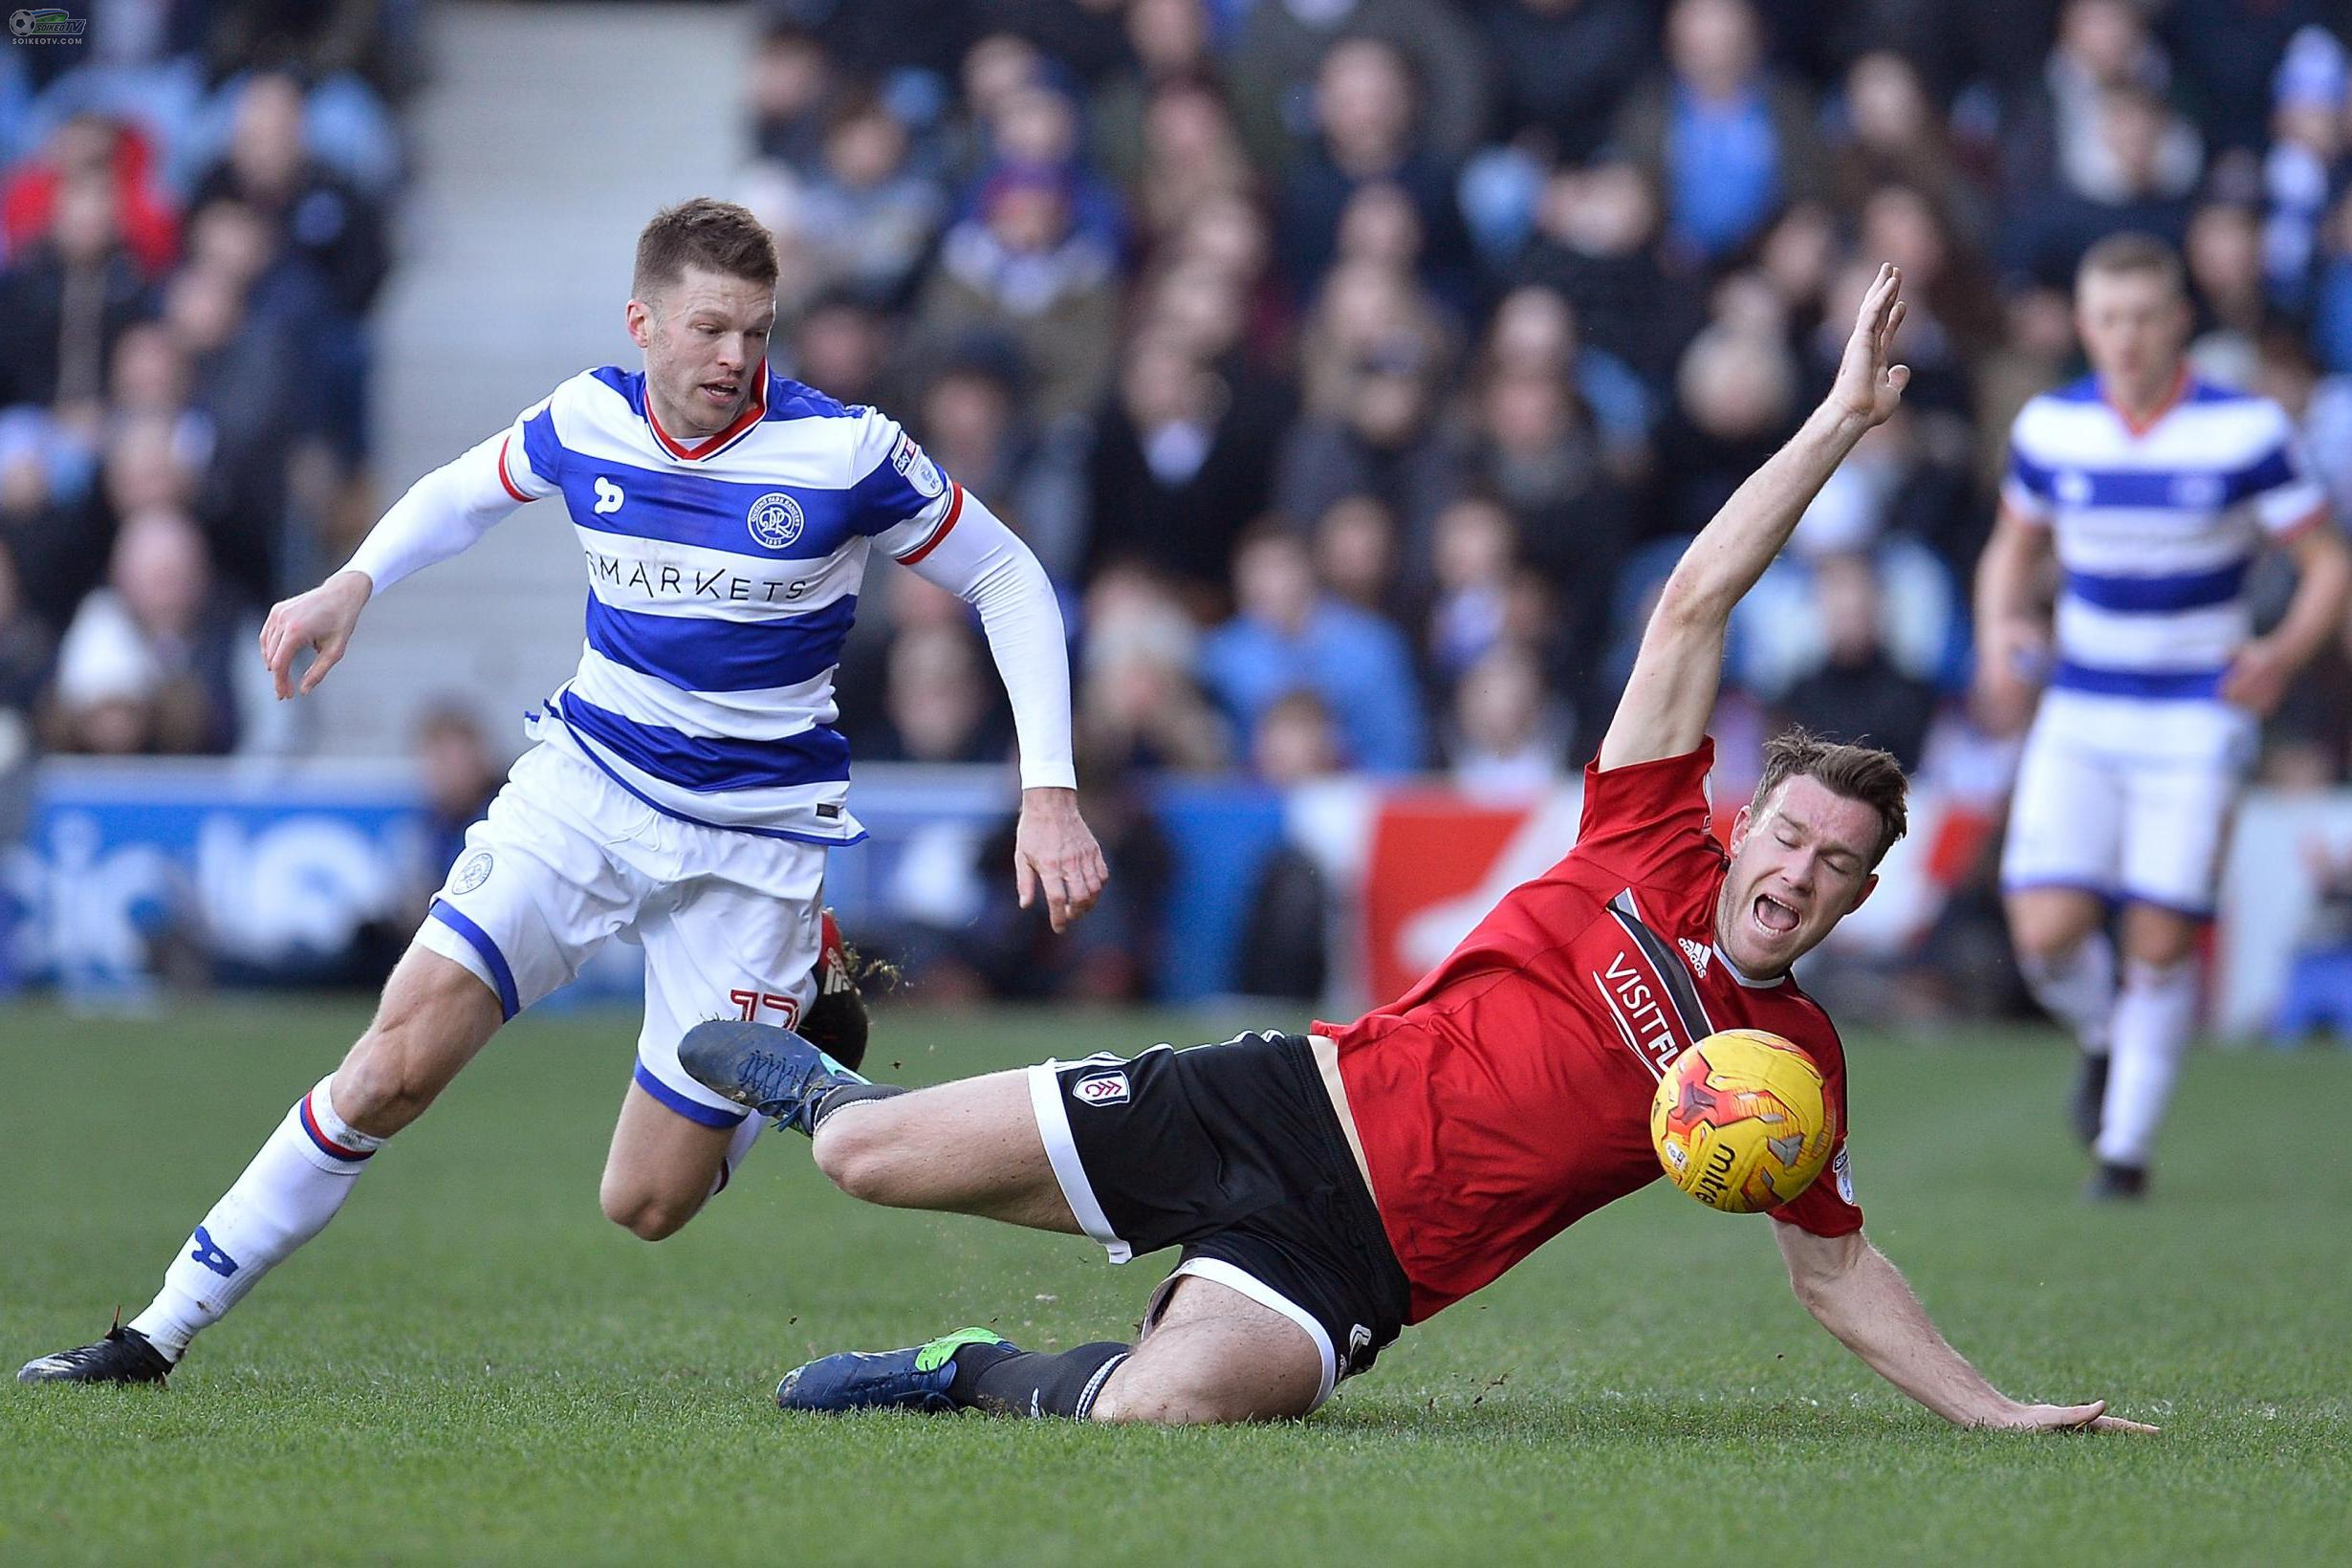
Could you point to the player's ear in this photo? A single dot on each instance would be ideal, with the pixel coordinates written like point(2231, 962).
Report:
point(638, 315)
point(1739, 828)
point(1870, 886)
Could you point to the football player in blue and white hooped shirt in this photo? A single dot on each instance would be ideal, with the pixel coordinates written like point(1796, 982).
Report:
point(2155, 492)
point(687, 782)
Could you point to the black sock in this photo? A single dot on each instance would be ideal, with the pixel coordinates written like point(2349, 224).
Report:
point(1003, 1380)
point(849, 1094)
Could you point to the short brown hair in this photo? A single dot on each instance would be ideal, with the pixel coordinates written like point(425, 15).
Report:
point(1858, 772)
point(717, 236)
point(2132, 252)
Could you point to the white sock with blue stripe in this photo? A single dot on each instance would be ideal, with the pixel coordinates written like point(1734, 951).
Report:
point(2078, 989)
point(286, 1196)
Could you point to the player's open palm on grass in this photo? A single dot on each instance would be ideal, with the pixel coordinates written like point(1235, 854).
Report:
point(321, 621)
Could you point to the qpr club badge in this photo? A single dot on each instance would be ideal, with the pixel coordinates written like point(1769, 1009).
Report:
point(471, 872)
point(775, 520)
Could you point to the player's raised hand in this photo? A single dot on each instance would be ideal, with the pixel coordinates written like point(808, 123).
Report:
point(1869, 388)
point(1055, 852)
point(322, 620)
point(2066, 1418)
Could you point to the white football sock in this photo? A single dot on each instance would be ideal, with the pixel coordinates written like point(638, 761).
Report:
point(2078, 989)
point(737, 1147)
point(2153, 1017)
point(286, 1196)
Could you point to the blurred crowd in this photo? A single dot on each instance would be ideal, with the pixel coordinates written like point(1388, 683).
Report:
point(194, 205)
point(1356, 367)
point(1359, 367)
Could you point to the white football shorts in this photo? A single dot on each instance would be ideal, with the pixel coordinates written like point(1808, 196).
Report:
point(2128, 799)
point(566, 860)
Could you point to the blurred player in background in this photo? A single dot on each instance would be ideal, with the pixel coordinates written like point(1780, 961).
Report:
point(687, 782)
point(1331, 1188)
point(2154, 491)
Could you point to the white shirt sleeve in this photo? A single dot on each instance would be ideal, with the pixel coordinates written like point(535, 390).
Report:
point(453, 506)
point(976, 557)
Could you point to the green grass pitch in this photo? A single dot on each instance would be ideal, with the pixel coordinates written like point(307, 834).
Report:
point(472, 1366)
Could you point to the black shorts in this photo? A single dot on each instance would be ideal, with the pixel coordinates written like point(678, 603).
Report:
point(1234, 1153)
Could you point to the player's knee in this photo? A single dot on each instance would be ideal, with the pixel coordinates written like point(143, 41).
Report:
point(646, 1214)
point(1163, 1401)
point(858, 1160)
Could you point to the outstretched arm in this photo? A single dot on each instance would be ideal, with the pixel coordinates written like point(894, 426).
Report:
point(1671, 693)
point(986, 563)
point(1853, 1292)
point(441, 514)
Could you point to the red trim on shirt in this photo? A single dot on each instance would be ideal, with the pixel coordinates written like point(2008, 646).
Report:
point(502, 470)
point(2304, 524)
point(2142, 426)
point(955, 510)
point(753, 412)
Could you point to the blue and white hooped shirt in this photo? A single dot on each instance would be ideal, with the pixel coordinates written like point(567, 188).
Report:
point(722, 579)
point(2156, 524)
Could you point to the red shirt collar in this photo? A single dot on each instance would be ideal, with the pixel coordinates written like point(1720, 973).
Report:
point(2142, 426)
point(753, 413)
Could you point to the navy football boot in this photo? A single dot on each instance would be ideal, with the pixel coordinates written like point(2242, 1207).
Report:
point(915, 1379)
point(773, 1071)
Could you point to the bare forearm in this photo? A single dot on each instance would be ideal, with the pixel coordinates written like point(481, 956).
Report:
point(1735, 547)
point(1872, 1312)
point(2004, 576)
point(2316, 614)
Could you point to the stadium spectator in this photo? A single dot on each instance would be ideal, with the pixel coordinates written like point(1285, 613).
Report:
point(1363, 309)
point(1021, 270)
point(1139, 704)
point(1596, 242)
point(1859, 693)
point(1735, 403)
point(319, 215)
point(1368, 134)
point(156, 660)
point(2056, 133)
point(1288, 636)
point(1503, 743)
point(1282, 43)
point(1182, 461)
point(973, 425)
point(65, 299)
point(1167, 49)
point(1474, 554)
point(1187, 159)
point(1560, 68)
point(1893, 136)
point(1355, 548)
point(791, 94)
point(843, 344)
point(865, 218)
point(1386, 441)
point(937, 702)
point(92, 148)
point(460, 775)
point(1726, 137)
point(2133, 190)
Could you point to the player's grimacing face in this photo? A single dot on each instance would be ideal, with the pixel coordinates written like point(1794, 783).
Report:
point(2133, 326)
point(1799, 866)
point(705, 338)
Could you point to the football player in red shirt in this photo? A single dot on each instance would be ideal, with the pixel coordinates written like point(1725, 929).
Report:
point(1328, 1189)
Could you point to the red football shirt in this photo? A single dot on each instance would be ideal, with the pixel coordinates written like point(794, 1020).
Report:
point(1506, 1095)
